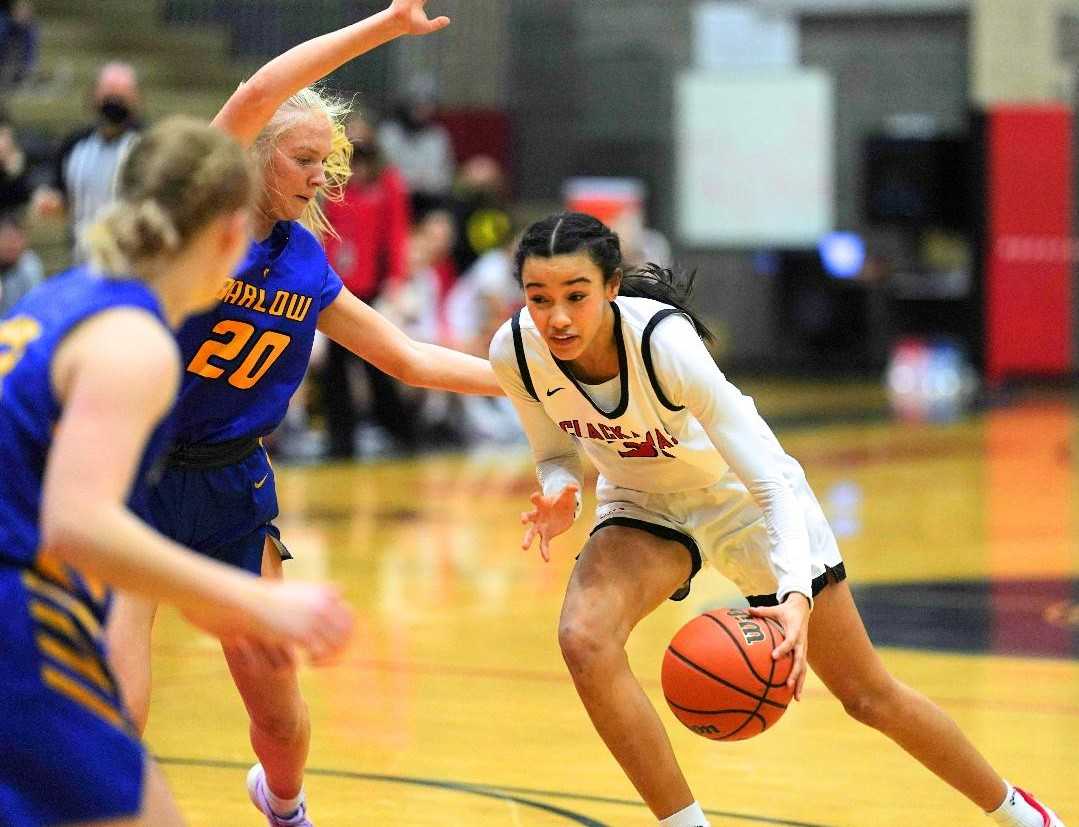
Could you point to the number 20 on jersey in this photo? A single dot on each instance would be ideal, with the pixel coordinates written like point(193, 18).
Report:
point(226, 352)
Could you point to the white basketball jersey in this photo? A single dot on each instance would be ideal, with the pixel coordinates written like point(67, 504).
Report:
point(642, 439)
point(646, 442)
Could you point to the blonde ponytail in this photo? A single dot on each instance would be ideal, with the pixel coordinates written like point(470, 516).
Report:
point(177, 178)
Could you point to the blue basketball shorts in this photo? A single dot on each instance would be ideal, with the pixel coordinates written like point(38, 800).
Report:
point(223, 512)
point(69, 753)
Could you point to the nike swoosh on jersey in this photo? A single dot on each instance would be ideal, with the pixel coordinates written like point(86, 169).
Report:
point(553, 392)
point(262, 481)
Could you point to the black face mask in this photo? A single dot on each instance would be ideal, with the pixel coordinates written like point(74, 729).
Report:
point(363, 150)
point(115, 111)
point(411, 120)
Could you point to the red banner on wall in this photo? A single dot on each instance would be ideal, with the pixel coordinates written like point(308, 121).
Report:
point(1028, 295)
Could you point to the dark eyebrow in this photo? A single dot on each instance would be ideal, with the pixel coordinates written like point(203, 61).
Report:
point(577, 280)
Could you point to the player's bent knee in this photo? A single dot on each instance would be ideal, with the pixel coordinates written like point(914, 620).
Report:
point(284, 725)
point(875, 707)
point(585, 646)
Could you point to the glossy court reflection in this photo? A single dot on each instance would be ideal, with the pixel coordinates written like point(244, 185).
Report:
point(454, 706)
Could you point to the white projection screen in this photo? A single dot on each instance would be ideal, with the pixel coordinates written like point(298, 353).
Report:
point(754, 158)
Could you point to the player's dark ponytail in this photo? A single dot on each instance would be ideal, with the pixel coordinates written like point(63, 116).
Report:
point(573, 232)
point(668, 286)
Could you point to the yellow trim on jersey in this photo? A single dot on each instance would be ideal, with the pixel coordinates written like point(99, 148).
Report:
point(59, 572)
point(97, 589)
point(52, 569)
point(55, 620)
point(75, 691)
point(70, 603)
point(86, 664)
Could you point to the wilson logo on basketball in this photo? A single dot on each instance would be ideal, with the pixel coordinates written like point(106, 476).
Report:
point(718, 683)
point(749, 627)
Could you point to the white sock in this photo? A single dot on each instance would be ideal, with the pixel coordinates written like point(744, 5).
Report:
point(283, 807)
point(1014, 811)
point(691, 816)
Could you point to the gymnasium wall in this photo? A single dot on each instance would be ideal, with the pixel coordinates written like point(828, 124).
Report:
point(1068, 46)
point(589, 88)
point(469, 60)
point(886, 66)
point(604, 107)
point(591, 92)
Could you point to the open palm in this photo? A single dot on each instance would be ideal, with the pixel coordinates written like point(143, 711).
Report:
point(411, 15)
point(549, 517)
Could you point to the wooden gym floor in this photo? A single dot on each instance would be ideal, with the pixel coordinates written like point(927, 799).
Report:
point(454, 708)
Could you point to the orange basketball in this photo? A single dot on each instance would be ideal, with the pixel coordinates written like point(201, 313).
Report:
point(719, 677)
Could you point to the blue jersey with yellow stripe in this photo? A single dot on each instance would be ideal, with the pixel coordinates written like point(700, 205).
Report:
point(30, 334)
point(69, 752)
point(245, 359)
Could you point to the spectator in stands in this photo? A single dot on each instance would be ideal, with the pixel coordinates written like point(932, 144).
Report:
point(85, 169)
point(18, 41)
point(479, 205)
point(482, 299)
point(371, 256)
point(416, 307)
point(444, 227)
point(419, 146)
point(20, 268)
point(14, 173)
point(640, 244)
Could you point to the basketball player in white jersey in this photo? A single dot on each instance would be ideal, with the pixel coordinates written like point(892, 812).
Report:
point(613, 361)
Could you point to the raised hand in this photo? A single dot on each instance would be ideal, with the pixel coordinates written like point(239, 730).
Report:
point(411, 17)
point(549, 517)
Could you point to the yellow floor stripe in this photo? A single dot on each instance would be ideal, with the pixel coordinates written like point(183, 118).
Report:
point(78, 693)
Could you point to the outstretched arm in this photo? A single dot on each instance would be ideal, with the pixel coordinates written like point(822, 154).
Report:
point(112, 395)
point(364, 331)
point(252, 105)
point(557, 504)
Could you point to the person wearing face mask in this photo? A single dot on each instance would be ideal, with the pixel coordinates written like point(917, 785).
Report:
point(419, 146)
point(370, 251)
point(85, 168)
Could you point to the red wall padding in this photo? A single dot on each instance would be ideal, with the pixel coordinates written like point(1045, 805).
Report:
point(1028, 291)
point(479, 132)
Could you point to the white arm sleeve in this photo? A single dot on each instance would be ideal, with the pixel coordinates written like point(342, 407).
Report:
point(689, 376)
point(557, 462)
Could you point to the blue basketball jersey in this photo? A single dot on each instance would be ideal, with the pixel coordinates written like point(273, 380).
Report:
point(70, 753)
point(29, 337)
point(245, 359)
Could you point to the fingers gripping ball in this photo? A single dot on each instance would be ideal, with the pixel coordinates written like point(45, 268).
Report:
point(719, 677)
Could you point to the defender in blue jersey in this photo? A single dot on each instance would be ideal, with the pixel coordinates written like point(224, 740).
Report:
point(244, 361)
point(88, 369)
point(64, 724)
point(218, 494)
